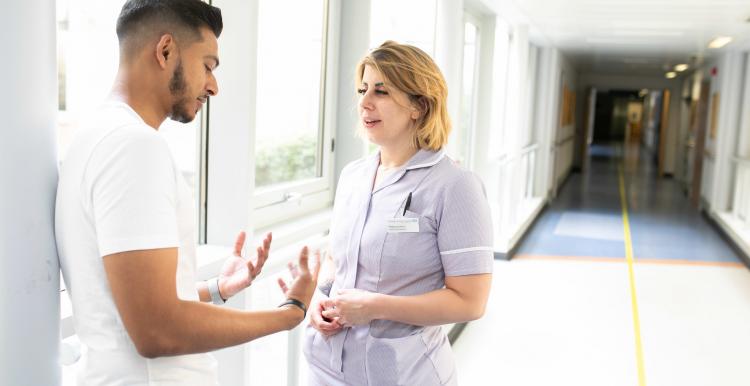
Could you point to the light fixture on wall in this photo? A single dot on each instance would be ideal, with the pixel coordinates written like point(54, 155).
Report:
point(719, 42)
point(671, 75)
point(681, 67)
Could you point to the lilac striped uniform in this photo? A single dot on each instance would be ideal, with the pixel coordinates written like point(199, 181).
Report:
point(454, 238)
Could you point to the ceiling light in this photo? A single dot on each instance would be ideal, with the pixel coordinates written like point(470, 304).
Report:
point(681, 67)
point(719, 42)
point(670, 74)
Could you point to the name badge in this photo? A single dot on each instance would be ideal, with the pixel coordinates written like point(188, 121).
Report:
point(403, 225)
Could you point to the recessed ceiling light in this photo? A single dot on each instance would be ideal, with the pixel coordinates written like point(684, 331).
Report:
point(681, 67)
point(719, 42)
point(670, 74)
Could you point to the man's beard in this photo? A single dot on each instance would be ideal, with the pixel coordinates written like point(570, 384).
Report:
point(178, 89)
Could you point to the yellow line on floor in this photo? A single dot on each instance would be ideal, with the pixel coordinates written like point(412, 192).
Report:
point(631, 275)
point(640, 261)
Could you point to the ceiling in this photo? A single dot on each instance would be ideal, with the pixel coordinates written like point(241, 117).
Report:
point(637, 37)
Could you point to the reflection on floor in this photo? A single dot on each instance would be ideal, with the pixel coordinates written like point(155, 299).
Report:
point(585, 219)
point(561, 312)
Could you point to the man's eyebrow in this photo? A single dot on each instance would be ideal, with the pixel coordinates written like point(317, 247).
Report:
point(215, 58)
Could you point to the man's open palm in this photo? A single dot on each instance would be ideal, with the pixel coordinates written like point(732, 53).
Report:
point(238, 273)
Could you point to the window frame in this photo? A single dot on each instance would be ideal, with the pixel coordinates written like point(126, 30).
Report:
point(468, 134)
point(281, 202)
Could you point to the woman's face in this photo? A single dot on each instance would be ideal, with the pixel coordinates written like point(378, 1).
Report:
point(385, 113)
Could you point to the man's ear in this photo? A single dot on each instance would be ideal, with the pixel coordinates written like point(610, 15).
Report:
point(165, 50)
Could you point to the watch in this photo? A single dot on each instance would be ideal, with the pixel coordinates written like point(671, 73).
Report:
point(213, 290)
point(297, 303)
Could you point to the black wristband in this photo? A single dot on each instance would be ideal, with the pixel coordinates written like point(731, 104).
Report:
point(297, 303)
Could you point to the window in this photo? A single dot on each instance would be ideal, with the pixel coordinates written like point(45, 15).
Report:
point(88, 57)
point(468, 92)
point(292, 146)
point(502, 87)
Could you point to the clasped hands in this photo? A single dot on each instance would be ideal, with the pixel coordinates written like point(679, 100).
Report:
point(349, 307)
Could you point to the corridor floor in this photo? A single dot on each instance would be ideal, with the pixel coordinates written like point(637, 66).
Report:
point(569, 310)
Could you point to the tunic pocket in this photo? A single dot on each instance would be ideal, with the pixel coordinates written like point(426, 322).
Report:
point(317, 348)
point(411, 253)
point(441, 357)
point(399, 361)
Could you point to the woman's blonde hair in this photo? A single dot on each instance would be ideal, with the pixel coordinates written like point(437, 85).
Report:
point(412, 71)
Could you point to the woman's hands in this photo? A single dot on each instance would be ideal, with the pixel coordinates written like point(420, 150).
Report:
point(350, 307)
point(327, 327)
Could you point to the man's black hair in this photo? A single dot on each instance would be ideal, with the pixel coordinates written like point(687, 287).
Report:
point(183, 18)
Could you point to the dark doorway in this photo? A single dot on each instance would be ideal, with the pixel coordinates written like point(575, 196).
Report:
point(611, 117)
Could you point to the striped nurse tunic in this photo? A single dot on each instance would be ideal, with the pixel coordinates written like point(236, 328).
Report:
point(426, 221)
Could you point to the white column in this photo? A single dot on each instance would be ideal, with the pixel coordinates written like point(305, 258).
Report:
point(449, 49)
point(354, 41)
point(231, 170)
point(29, 270)
point(485, 104)
point(546, 128)
point(517, 73)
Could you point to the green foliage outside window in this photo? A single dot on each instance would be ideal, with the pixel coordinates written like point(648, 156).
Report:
point(288, 161)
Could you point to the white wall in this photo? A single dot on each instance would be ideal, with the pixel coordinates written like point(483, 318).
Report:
point(743, 142)
point(718, 173)
point(29, 269)
point(567, 147)
point(353, 45)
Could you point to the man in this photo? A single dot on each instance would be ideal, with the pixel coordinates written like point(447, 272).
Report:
point(124, 221)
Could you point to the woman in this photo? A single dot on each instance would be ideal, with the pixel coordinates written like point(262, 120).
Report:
point(411, 237)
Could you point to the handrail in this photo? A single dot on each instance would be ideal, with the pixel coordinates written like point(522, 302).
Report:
point(510, 157)
point(501, 158)
point(529, 148)
point(566, 139)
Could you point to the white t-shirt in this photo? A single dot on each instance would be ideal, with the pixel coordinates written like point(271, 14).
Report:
point(120, 190)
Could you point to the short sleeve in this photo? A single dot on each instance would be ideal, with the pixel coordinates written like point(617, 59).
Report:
point(133, 192)
point(464, 233)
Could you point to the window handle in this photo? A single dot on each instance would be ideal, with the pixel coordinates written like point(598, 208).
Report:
point(292, 196)
point(287, 197)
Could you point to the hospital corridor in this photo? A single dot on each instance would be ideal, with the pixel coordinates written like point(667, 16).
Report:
point(567, 298)
point(498, 192)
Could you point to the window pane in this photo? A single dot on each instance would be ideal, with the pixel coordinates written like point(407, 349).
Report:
point(88, 57)
point(465, 128)
point(410, 22)
point(288, 114)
